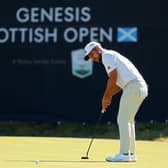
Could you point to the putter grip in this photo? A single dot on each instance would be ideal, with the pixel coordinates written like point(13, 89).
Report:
point(102, 111)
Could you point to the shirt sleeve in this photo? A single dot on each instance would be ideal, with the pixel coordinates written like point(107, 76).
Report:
point(109, 62)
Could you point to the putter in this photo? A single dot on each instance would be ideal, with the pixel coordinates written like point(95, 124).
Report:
point(92, 138)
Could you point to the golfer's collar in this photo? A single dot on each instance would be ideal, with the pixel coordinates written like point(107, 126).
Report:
point(103, 51)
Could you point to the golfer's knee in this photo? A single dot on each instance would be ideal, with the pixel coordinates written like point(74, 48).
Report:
point(122, 121)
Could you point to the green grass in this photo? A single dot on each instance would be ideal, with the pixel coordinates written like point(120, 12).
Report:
point(61, 146)
point(21, 152)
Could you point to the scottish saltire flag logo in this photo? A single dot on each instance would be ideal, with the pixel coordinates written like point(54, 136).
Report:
point(80, 67)
point(127, 34)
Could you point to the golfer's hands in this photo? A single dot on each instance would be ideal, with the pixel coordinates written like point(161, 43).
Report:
point(106, 101)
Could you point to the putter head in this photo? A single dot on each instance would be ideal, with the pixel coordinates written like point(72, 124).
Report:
point(84, 157)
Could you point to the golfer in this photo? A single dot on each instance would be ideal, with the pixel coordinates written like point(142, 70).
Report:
point(122, 76)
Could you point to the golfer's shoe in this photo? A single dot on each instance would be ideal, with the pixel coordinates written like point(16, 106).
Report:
point(119, 157)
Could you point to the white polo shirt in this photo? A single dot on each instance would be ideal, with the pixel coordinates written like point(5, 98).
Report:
point(126, 71)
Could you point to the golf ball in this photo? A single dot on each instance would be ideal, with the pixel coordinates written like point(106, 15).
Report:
point(37, 161)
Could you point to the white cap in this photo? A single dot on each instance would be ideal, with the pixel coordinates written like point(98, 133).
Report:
point(89, 47)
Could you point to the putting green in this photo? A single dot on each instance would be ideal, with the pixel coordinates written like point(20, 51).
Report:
point(21, 152)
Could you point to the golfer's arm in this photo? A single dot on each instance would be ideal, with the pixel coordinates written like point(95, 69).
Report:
point(112, 88)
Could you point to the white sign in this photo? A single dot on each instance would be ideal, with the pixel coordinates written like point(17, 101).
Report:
point(80, 67)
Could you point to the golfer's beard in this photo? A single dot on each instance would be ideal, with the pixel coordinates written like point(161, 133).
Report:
point(100, 58)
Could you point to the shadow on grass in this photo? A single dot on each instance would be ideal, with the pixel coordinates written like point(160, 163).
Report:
point(59, 161)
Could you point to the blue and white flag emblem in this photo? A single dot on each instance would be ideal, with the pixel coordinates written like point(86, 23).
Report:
point(127, 34)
